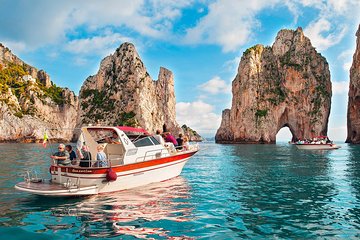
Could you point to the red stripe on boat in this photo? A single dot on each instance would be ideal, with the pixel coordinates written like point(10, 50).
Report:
point(132, 129)
point(123, 168)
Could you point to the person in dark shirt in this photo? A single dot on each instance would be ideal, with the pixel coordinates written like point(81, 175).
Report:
point(71, 153)
point(180, 142)
point(85, 159)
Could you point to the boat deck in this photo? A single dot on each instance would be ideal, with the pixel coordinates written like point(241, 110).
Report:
point(47, 188)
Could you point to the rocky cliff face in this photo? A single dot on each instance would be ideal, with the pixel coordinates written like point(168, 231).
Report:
point(31, 104)
point(123, 93)
point(286, 85)
point(353, 114)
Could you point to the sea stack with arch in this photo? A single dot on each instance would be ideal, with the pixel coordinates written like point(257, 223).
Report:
point(286, 85)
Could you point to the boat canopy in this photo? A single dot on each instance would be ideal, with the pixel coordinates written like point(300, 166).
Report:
point(136, 131)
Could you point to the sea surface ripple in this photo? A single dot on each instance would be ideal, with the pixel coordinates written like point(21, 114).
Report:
point(224, 192)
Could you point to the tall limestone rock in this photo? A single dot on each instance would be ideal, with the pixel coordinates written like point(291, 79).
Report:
point(286, 85)
point(31, 104)
point(353, 114)
point(123, 93)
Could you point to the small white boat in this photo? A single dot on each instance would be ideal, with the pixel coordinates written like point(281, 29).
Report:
point(316, 146)
point(136, 159)
point(316, 143)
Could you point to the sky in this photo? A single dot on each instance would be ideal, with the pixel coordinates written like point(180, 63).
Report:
point(201, 42)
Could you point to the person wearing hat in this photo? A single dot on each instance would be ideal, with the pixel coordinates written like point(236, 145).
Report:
point(62, 156)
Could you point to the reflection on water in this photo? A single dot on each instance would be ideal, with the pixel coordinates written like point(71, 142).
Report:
point(116, 214)
point(224, 192)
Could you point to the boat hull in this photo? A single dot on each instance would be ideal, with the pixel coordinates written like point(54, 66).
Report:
point(76, 181)
point(317, 146)
point(52, 189)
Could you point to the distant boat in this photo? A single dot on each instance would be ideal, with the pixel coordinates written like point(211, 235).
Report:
point(317, 143)
point(310, 146)
point(136, 159)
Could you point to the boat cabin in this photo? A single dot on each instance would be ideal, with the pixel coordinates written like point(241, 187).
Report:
point(122, 145)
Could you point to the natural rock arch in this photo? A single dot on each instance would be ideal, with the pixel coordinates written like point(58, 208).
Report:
point(287, 84)
point(292, 132)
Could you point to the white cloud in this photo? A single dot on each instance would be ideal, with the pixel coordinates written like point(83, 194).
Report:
point(233, 64)
point(334, 7)
point(340, 87)
point(229, 23)
point(347, 65)
point(98, 45)
point(49, 22)
point(80, 61)
point(216, 85)
point(346, 58)
point(199, 116)
point(321, 36)
point(15, 47)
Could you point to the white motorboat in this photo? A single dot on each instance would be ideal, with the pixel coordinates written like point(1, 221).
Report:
point(317, 143)
point(316, 146)
point(136, 159)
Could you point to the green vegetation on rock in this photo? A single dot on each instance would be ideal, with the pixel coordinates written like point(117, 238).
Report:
point(97, 101)
point(127, 119)
point(261, 113)
point(256, 48)
point(11, 77)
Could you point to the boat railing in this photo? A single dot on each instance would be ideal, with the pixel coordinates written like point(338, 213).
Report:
point(192, 147)
point(32, 176)
point(152, 154)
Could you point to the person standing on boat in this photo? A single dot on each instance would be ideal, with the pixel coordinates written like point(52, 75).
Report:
point(62, 156)
point(85, 156)
point(101, 157)
point(72, 154)
point(159, 138)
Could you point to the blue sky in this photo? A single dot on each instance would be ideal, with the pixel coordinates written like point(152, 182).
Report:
point(200, 41)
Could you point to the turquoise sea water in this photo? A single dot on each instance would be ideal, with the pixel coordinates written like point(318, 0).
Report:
point(224, 192)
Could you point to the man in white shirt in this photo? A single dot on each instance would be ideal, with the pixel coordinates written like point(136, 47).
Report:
point(159, 138)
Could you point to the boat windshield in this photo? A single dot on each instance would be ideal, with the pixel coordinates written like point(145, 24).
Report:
point(102, 135)
point(147, 141)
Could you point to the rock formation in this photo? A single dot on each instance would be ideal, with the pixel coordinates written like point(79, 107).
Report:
point(191, 134)
point(286, 85)
point(353, 114)
point(30, 104)
point(123, 93)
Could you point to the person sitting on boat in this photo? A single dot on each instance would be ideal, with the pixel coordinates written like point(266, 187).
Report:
point(114, 139)
point(101, 160)
point(186, 145)
point(85, 158)
point(62, 156)
point(72, 154)
point(180, 142)
point(170, 138)
point(159, 138)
